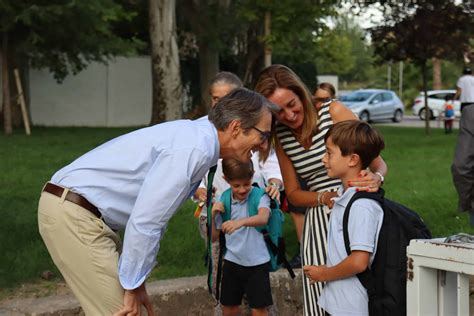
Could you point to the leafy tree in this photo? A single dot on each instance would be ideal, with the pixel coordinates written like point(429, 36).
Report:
point(211, 21)
point(439, 29)
point(334, 54)
point(295, 27)
point(360, 50)
point(61, 35)
point(230, 34)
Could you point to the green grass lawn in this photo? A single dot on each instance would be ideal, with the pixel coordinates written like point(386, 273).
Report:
point(419, 177)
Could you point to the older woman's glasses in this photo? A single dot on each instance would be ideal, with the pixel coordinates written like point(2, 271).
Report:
point(322, 100)
point(264, 136)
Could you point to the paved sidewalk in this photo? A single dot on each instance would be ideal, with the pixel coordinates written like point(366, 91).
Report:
point(182, 296)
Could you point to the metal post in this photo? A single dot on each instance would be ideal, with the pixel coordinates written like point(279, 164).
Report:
point(389, 75)
point(400, 80)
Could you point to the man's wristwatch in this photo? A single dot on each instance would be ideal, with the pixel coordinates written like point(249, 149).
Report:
point(382, 179)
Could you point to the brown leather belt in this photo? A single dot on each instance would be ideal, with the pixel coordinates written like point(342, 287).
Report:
point(72, 197)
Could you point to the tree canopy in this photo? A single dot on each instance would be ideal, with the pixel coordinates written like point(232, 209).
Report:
point(62, 35)
point(432, 29)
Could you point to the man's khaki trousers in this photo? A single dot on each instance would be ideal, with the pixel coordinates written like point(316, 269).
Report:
point(85, 250)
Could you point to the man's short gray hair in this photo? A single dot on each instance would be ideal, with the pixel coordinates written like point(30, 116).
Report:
point(243, 105)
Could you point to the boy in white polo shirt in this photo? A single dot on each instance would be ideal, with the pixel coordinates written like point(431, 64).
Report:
point(246, 261)
point(350, 147)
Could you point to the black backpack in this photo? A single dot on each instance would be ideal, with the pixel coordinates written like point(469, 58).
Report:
point(386, 279)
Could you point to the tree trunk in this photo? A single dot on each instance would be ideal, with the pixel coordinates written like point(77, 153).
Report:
point(166, 77)
point(254, 53)
point(427, 109)
point(208, 68)
point(7, 112)
point(437, 84)
point(266, 32)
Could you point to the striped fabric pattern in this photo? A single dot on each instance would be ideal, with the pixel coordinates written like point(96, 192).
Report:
point(309, 166)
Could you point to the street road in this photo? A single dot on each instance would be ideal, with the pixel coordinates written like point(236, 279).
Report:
point(414, 121)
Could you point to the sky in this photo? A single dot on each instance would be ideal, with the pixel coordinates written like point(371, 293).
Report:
point(368, 18)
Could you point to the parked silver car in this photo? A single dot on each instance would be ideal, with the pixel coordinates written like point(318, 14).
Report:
point(435, 103)
point(375, 104)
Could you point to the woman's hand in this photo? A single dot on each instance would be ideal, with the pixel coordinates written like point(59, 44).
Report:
point(201, 195)
point(273, 190)
point(366, 181)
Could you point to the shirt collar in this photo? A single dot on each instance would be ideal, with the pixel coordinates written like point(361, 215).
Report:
point(215, 156)
point(235, 201)
point(343, 197)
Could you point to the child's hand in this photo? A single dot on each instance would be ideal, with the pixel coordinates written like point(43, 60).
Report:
point(231, 226)
point(217, 207)
point(315, 273)
point(366, 181)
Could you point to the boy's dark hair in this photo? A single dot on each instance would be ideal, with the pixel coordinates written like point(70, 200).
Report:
point(237, 170)
point(449, 97)
point(356, 137)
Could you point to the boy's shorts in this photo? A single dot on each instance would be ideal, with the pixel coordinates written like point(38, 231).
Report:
point(253, 281)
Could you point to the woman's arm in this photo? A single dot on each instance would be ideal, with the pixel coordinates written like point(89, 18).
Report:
point(293, 190)
point(339, 112)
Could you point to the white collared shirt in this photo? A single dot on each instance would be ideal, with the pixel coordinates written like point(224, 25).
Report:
point(466, 84)
point(348, 296)
point(139, 180)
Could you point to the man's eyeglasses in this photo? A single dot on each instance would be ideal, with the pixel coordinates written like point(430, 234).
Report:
point(264, 136)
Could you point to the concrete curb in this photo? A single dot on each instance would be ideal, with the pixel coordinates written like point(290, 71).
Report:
point(182, 296)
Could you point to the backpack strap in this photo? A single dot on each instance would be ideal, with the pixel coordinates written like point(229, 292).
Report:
point(210, 179)
point(365, 277)
point(219, 264)
point(279, 251)
point(226, 199)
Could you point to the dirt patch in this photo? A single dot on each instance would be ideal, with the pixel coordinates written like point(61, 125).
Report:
point(38, 289)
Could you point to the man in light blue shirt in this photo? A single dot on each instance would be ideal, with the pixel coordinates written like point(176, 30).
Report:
point(136, 182)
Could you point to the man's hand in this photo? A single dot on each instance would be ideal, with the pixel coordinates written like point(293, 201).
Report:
point(315, 273)
point(133, 301)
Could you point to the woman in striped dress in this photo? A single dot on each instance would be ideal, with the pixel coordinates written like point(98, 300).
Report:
point(302, 124)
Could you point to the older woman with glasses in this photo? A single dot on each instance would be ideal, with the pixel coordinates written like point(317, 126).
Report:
point(302, 124)
point(267, 171)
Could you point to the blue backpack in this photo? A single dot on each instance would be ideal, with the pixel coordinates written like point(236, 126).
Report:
point(272, 231)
